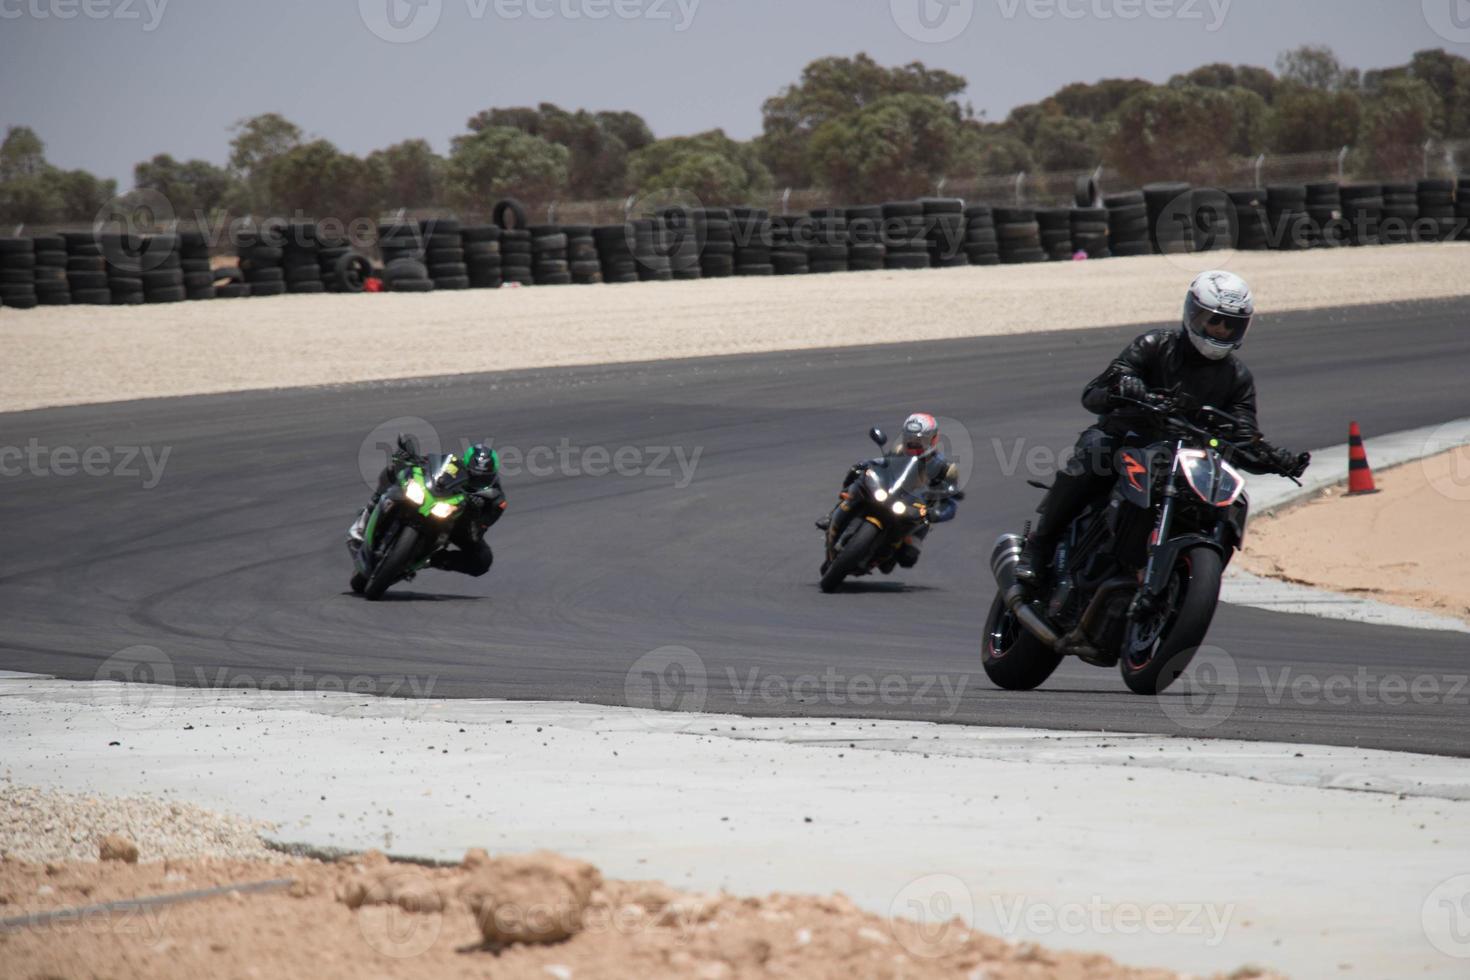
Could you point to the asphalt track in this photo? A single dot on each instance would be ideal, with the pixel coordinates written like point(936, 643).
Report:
point(233, 564)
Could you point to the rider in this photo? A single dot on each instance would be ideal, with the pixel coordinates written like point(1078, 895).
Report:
point(484, 503)
point(920, 439)
point(1195, 362)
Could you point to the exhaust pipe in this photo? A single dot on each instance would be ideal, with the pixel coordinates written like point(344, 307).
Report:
point(1003, 566)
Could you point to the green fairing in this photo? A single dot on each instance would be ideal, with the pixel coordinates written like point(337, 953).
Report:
point(429, 499)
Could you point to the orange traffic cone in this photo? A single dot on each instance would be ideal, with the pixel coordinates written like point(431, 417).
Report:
point(1360, 474)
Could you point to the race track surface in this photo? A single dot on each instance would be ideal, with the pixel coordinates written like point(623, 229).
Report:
point(233, 563)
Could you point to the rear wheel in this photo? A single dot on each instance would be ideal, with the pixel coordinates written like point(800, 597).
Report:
point(393, 564)
point(856, 551)
point(1158, 648)
point(1013, 658)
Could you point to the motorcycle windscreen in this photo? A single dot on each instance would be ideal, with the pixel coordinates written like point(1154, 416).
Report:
point(1212, 479)
point(903, 475)
point(444, 473)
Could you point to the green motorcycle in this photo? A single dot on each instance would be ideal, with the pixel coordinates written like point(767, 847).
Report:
point(411, 521)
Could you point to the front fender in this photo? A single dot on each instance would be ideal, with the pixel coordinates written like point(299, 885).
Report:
point(1168, 553)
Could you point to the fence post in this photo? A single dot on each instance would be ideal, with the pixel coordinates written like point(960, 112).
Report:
point(1427, 145)
point(939, 187)
point(551, 213)
point(628, 205)
point(786, 201)
point(1342, 156)
point(1020, 182)
point(1260, 165)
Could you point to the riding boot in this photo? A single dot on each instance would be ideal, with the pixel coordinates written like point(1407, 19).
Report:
point(1069, 496)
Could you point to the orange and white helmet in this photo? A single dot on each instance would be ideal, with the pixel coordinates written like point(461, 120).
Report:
point(920, 435)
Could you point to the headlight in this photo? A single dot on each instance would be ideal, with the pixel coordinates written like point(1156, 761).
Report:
point(415, 491)
point(442, 509)
point(898, 507)
point(880, 495)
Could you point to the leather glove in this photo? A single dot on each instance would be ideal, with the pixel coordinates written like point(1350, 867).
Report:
point(1130, 386)
point(1292, 464)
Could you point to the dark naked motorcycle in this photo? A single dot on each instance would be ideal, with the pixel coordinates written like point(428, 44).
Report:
point(1135, 579)
point(888, 502)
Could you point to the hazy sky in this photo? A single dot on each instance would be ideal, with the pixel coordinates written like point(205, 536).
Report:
point(108, 83)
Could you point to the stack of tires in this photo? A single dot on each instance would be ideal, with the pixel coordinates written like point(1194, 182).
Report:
point(903, 236)
point(161, 269)
point(1018, 235)
point(981, 247)
point(444, 253)
point(1324, 209)
point(651, 250)
point(52, 288)
point(615, 253)
point(124, 280)
point(482, 255)
point(1436, 210)
point(1252, 231)
point(1055, 225)
point(402, 247)
point(790, 245)
point(865, 248)
point(1128, 224)
point(715, 241)
point(1169, 206)
point(751, 230)
point(86, 269)
point(1400, 212)
point(515, 242)
point(1362, 210)
point(341, 269)
point(681, 241)
point(1462, 207)
point(300, 259)
point(194, 261)
point(260, 261)
point(944, 231)
point(829, 241)
point(18, 274)
point(1286, 213)
point(582, 260)
point(1089, 229)
point(549, 256)
point(1210, 215)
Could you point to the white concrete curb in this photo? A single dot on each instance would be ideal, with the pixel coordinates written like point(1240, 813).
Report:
point(1329, 468)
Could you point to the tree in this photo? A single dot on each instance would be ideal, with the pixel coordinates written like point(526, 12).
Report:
point(1397, 120)
point(32, 191)
point(831, 89)
point(1065, 143)
point(22, 154)
point(599, 143)
point(259, 141)
point(1317, 67)
point(318, 180)
point(896, 146)
point(82, 195)
point(1001, 154)
point(1219, 75)
point(1449, 76)
point(499, 160)
point(1099, 100)
point(1182, 132)
point(408, 174)
point(1306, 120)
point(193, 188)
point(711, 166)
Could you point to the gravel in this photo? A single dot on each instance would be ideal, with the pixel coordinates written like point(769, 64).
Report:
point(40, 825)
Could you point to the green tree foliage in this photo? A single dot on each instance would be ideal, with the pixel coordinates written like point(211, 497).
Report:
point(896, 146)
point(599, 143)
point(408, 175)
point(1097, 101)
point(1449, 76)
point(501, 160)
point(1066, 143)
point(1219, 75)
point(1397, 119)
point(1305, 120)
point(1001, 154)
point(711, 166)
point(32, 191)
point(1180, 132)
point(258, 142)
point(318, 180)
point(1317, 67)
point(193, 188)
point(834, 89)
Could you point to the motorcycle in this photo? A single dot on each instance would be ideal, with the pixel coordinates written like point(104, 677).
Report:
point(888, 502)
point(1135, 579)
point(411, 521)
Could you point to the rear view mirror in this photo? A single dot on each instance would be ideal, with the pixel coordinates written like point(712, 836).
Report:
point(876, 434)
point(408, 443)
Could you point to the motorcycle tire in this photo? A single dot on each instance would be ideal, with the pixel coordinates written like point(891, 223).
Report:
point(1188, 611)
point(853, 554)
point(393, 564)
point(1013, 658)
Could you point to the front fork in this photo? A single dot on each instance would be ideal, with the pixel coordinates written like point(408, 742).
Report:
point(1145, 600)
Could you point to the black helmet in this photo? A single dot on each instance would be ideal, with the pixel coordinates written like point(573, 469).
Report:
point(481, 463)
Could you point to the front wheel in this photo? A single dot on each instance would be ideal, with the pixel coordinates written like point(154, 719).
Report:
point(856, 551)
point(1013, 658)
point(1157, 648)
point(393, 564)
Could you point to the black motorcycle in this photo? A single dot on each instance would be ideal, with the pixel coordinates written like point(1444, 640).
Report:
point(1135, 579)
point(889, 501)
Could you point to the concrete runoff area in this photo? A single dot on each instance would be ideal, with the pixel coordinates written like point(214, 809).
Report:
point(1196, 855)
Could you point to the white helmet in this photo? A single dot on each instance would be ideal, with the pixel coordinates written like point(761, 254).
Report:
point(1217, 312)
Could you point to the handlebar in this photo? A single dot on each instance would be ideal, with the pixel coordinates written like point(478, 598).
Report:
point(1167, 405)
